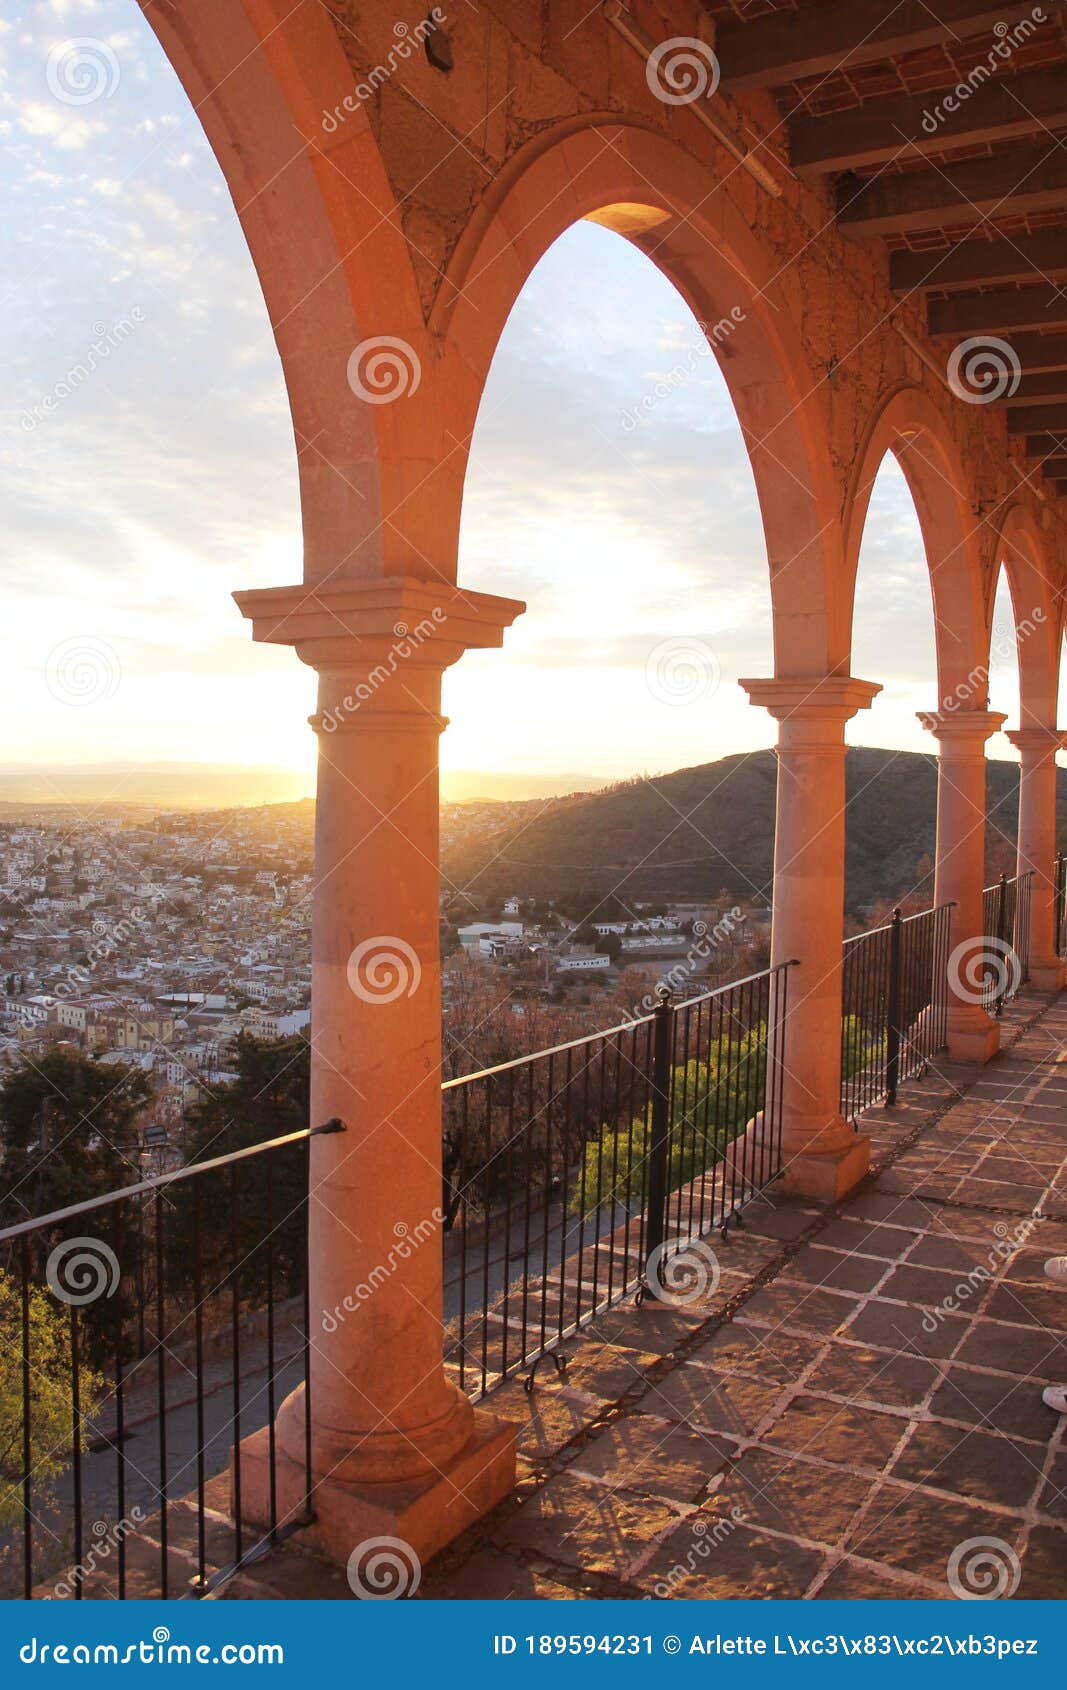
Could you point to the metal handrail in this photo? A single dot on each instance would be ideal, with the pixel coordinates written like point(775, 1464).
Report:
point(148, 1185)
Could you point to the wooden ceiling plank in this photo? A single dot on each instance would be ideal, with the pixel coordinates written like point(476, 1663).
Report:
point(900, 125)
point(969, 264)
point(1019, 179)
point(818, 40)
point(999, 312)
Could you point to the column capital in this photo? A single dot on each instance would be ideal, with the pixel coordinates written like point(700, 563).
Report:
point(962, 730)
point(818, 698)
point(1037, 741)
point(344, 624)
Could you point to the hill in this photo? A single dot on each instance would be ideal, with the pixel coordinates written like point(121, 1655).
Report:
point(697, 831)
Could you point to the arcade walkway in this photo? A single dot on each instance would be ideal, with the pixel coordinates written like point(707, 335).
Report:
point(858, 1403)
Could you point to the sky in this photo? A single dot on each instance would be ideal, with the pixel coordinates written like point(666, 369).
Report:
point(138, 499)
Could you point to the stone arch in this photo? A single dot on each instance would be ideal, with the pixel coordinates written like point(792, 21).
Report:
point(911, 427)
point(1037, 607)
point(654, 193)
point(259, 79)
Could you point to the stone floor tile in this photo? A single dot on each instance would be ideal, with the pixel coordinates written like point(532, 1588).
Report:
point(974, 1464)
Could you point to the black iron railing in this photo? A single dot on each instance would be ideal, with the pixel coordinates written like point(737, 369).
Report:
point(894, 1005)
point(579, 1171)
point(1059, 882)
point(149, 1331)
point(1006, 925)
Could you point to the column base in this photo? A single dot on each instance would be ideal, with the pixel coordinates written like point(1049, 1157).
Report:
point(425, 1514)
point(973, 1035)
point(828, 1175)
point(1050, 976)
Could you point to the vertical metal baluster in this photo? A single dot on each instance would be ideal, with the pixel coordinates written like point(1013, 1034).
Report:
point(659, 1142)
point(463, 1209)
point(120, 1412)
point(528, 1135)
point(487, 1210)
point(547, 1205)
point(76, 1444)
point(235, 1340)
point(583, 1142)
point(628, 1199)
point(305, 1206)
point(198, 1340)
point(613, 1190)
point(27, 1423)
point(601, 1149)
point(161, 1388)
point(268, 1174)
point(510, 1175)
point(565, 1145)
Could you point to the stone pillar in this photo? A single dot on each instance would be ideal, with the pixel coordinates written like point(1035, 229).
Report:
point(823, 1157)
point(973, 1034)
point(397, 1450)
point(1037, 748)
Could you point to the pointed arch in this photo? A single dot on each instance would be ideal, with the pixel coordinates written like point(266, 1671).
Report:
point(317, 212)
point(1021, 555)
point(655, 194)
point(910, 427)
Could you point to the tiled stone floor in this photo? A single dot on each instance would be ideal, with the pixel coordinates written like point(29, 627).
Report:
point(860, 1398)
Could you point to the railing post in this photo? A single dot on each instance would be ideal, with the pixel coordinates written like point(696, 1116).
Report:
point(659, 1147)
point(1002, 939)
point(893, 1016)
point(1058, 902)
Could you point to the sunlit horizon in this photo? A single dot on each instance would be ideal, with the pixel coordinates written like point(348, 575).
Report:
point(608, 487)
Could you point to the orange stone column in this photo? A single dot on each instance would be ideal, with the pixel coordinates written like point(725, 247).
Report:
point(822, 1155)
point(1037, 748)
point(973, 1034)
point(397, 1449)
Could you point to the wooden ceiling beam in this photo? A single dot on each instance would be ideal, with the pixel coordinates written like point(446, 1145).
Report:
point(903, 125)
point(1028, 418)
point(1048, 389)
point(1019, 179)
point(978, 263)
point(818, 40)
point(999, 312)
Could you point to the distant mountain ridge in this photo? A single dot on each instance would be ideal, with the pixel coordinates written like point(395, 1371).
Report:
point(697, 831)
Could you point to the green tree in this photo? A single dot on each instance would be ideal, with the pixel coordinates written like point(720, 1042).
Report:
point(68, 1132)
point(712, 1100)
point(51, 1404)
point(250, 1216)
